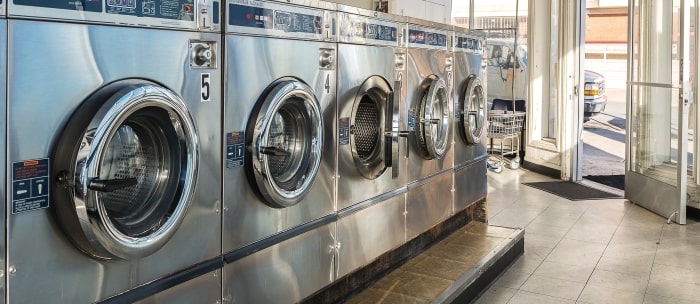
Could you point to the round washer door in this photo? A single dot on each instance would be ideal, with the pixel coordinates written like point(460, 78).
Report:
point(126, 168)
point(286, 140)
point(432, 130)
point(371, 151)
point(473, 110)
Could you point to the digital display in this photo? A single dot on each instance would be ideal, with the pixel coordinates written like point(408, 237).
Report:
point(163, 9)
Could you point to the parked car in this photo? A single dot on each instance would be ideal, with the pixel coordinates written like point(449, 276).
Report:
point(507, 79)
point(594, 99)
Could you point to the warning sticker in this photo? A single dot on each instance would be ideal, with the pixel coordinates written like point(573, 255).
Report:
point(235, 149)
point(30, 185)
point(411, 119)
point(344, 131)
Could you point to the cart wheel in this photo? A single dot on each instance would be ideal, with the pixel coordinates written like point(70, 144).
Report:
point(514, 163)
point(494, 167)
point(498, 169)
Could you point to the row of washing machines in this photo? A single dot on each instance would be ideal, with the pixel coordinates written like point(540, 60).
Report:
point(180, 151)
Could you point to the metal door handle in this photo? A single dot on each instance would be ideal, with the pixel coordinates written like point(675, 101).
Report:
point(111, 185)
point(274, 151)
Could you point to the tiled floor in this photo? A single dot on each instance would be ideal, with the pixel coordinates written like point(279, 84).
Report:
point(598, 251)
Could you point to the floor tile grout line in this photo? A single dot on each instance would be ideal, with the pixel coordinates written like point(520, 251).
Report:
point(550, 252)
point(653, 261)
point(601, 254)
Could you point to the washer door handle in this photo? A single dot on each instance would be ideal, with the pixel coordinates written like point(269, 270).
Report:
point(274, 151)
point(111, 185)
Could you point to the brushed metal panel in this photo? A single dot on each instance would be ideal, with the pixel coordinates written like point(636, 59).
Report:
point(421, 64)
point(368, 233)
point(54, 67)
point(284, 273)
point(466, 64)
point(659, 197)
point(253, 63)
point(355, 64)
point(470, 185)
point(205, 289)
point(428, 204)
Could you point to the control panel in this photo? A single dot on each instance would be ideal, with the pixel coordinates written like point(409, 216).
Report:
point(468, 44)
point(281, 20)
point(187, 14)
point(423, 37)
point(367, 30)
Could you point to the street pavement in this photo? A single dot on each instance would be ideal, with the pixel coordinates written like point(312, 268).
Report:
point(604, 138)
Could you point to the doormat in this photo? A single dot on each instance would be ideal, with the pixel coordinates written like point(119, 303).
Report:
point(572, 191)
point(615, 181)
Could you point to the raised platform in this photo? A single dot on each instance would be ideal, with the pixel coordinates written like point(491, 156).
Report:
point(456, 269)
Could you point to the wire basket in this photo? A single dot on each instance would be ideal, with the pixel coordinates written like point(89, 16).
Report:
point(505, 123)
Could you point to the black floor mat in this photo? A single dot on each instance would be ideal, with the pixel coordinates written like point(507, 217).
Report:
point(572, 191)
point(615, 181)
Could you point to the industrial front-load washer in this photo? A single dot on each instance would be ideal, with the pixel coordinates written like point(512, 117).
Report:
point(113, 146)
point(470, 118)
point(279, 171)
point(429, 114)
point(371, 150)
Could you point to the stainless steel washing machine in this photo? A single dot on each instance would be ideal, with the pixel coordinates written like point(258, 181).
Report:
point(470, 118)
point(371, 149)
point(429, 114)
point(279, 172)
point(371, 88)
point(113, 161)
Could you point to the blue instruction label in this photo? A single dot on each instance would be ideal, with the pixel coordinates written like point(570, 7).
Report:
point(344, 131)
point(30, 185)
point(427, 38)
point(411, 119)
point(235, 149)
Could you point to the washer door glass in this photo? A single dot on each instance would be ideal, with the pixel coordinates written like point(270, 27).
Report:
point(287, 138)
point(367, 125)
point(473, 110)
point(434, 120)
point(133, 172)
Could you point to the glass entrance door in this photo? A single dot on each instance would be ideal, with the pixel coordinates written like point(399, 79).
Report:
point(658, 106)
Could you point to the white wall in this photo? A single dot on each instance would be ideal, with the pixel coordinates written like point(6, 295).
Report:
point(366, 4)
point(433, 10)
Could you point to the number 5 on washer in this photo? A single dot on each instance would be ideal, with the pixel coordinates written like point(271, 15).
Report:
point(205, 87)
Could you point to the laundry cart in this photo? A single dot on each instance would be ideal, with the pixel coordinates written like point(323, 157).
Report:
point(504, 133)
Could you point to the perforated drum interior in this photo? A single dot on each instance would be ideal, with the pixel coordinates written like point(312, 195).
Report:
point(367, 126)
point(289, 132)
point(128, 160)
point(139, 150)
point(286, 137)
point(366, 129)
